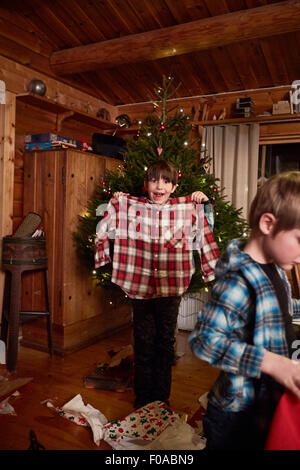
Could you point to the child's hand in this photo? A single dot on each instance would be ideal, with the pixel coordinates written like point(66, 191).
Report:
point(118, 194)
point(199, 197)
point(283, 370)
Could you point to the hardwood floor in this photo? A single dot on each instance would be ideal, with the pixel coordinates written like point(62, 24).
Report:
point(62, 378)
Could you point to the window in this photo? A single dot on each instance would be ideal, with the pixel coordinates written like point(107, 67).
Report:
point(277, 158)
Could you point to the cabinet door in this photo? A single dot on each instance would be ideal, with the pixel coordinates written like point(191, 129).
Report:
point(44, 194)
point(82, 300)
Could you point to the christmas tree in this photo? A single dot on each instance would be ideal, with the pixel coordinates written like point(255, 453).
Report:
point(165, 134)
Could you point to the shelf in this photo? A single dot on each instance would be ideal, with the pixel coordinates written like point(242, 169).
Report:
point(64, 112)
point(262, 119)
point(216, 122)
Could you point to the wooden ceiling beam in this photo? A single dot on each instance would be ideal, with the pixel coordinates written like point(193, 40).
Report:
point(208, 33)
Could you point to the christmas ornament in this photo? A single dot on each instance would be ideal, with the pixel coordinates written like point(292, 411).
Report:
point(37, 86)
point(159, 150)
point(179, 174)
point(162, 127)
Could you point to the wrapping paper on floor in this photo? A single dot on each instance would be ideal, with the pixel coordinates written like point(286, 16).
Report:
point(6, 408)
point(84, 415)
point(154, 426)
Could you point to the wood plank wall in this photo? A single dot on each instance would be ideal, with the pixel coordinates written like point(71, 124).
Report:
point(7, 153)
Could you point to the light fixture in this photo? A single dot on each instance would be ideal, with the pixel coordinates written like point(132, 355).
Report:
point(123, 120)
point(37, 86)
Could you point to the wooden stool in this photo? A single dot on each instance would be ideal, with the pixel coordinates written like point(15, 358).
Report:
point(19, 255)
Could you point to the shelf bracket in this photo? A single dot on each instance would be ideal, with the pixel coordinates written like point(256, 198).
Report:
point(60, 117)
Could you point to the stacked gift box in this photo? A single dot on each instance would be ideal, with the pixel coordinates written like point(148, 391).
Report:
point(49, 141)
point(244, 107)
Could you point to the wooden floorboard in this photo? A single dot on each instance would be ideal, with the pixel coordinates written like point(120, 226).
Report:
point(61, 378)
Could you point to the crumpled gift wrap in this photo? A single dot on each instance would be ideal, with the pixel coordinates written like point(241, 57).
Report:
point(85, 415)
point(143, 425)
point(154, 426)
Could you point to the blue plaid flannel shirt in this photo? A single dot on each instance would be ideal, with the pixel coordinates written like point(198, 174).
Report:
point(223, 335)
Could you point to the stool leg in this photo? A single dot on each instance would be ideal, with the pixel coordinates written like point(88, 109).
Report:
point(5, 311)
point(13, 320)
point(49, 327)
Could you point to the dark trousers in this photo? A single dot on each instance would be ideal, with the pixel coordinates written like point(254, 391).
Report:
point(227, 430)
point(154, 324)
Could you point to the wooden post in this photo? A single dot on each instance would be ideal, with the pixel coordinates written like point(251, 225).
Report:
point(7, 152)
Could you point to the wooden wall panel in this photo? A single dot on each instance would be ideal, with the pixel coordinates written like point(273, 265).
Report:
point(7, 148)
point(282, 132)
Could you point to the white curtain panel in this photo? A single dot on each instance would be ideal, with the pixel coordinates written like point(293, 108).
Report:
point(233, 150)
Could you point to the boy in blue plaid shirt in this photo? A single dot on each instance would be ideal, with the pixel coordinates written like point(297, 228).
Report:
point(245, 329)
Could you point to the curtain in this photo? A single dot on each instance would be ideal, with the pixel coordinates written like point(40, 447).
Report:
point(233, 150)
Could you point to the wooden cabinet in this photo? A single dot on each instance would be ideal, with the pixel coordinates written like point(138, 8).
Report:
point(57, 185)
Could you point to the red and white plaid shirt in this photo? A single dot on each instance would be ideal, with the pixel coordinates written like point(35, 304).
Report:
point(153, 245)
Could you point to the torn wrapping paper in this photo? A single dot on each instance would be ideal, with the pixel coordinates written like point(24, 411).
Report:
point(177, 436)
point(73, 416)
point(154, 426)
point(84, 415)
point(6, 408)
point(203, 400)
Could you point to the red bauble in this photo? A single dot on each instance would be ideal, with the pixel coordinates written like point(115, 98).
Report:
point(162, 127)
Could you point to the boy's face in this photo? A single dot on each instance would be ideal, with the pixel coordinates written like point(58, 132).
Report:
point(284, 248)
point(159, 190)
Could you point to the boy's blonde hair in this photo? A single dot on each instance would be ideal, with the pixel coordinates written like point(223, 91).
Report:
point(280, 196)
point(164, 169)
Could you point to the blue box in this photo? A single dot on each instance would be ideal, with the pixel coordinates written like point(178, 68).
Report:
point(49, 137)
point(47, 145)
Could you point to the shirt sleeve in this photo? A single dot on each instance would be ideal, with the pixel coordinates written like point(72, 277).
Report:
point(106, 230)
point(221, 336)
point(205, 240)
point(209, 253)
